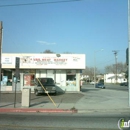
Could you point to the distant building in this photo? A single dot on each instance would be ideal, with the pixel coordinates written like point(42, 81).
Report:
point(111, 78)
point(84, 77)
point(100, 77)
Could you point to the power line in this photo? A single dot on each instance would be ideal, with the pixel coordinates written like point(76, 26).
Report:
point(65, 1)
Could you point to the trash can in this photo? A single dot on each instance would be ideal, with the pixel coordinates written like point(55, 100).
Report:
point(26, 96)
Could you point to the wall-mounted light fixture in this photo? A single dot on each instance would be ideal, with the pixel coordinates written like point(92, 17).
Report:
point(58, 55)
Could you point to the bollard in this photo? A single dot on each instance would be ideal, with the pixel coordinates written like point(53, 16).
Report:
point(26, 96)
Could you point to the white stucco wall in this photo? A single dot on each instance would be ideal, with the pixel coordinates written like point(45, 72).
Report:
point(113, 80)
point(48, 65)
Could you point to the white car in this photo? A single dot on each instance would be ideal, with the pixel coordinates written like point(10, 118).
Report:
point(92, 83)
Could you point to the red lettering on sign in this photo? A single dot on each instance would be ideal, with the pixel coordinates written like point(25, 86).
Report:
point(60, 59)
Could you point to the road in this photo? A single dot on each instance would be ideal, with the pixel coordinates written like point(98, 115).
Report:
point(96, 98)
point(59, 122)
point(114, 87)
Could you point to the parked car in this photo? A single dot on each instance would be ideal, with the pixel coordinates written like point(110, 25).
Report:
point(100, 85)
point(47, 83)
point(92, 83)
point(124, 84)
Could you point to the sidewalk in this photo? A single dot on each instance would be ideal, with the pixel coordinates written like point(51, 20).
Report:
point(92, 100)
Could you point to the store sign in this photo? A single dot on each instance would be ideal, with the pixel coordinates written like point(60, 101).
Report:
point(6, 60)
point(47, 61)
point(55, 62)
point(43, 61)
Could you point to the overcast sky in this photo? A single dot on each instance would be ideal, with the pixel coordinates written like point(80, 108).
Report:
point(81, 27)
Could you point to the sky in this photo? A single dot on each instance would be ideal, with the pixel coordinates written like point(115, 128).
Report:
point(95, 28)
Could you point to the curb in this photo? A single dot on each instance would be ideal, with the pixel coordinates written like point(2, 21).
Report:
point(40, 110)
point(103, 110)
point(35, 110)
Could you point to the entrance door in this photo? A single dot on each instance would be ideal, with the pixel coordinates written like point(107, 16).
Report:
point(51, 74)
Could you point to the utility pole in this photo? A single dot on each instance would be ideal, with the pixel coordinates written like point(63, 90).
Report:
point(95, 66)
point(115, 53)
point(1, 28)
point(17, 64)
point(128, 49)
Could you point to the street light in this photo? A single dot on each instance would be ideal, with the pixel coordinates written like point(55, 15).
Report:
point(95, 66)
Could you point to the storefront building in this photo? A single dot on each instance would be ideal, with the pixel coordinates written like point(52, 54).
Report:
point(65, 70)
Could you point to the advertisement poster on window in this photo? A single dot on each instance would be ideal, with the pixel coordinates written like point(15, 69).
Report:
point(28, 80)
point(5, 79)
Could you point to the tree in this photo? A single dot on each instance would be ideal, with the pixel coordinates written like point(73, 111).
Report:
point(48, 51)
point(68, 52)
point(90, 72)
point(121, 68)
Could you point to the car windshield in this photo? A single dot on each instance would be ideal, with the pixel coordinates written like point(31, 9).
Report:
point(100, 84)
point(45, 81)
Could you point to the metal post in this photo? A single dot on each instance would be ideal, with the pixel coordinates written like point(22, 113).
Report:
point(0, 54)
point(128, 48)
point(116, 64)
point(94, 70)
point(95, 67)
point(17, 64)
point(115, 53)
point(15, 93)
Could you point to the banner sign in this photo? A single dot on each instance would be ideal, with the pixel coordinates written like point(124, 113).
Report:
point(50, 61)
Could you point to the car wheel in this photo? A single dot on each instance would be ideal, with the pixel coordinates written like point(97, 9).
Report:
point(36, 92)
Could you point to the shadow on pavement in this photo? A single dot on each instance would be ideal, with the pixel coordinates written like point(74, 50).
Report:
point(7, 105)
point(119, 89)
point(87, 90)
point(35, 104)
point(35, 98)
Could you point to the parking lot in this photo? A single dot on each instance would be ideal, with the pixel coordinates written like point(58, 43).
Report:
point(111, 98)
point(7, 100)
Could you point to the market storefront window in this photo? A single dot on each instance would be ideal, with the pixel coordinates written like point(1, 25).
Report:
point(71, 78)
point(6, 77)
point(29, 76)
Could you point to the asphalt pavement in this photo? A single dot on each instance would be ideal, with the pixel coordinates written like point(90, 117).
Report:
point(29, 121)
point(112, 99)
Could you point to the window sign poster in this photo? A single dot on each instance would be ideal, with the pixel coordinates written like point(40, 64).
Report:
point(70, 83)
point(27, 80)
point(5, 79)
point(1, 83)
point(14, 79)
point(32, 80)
